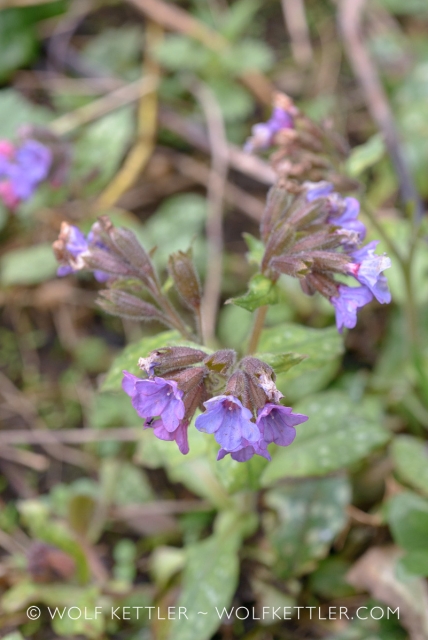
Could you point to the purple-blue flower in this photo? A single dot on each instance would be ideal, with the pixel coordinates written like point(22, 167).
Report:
point(246, 451)
point(316, 190)
point(368, 268)
point(74, 246)
point(276, 424)
point(346, 304)
point(347, 218)
point(230, 421)
point(263, 133)
point(155, 398)
point(22, 169)
point(179, 435)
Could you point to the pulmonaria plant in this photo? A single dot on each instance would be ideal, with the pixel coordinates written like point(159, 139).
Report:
point(245, 417)
point(309, 231)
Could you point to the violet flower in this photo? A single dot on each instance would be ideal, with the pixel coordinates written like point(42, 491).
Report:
point(179, 435)
point(155, 398)
point(74, 246)
point(348, 217)
point(276, 424)
point(316, 190)
point(22, 169)
point(263, 133)
point(346, 304)
point(368, 270)
point(230, 421)
point(246, 451)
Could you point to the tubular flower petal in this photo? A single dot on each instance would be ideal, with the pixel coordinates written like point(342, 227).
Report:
point(276, 424)
point(346, 304)
point(368, 270)
point(155, 398)
point(229, 420)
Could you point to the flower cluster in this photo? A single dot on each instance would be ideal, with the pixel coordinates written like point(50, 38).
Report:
point(71, 248)
point(244, 418)
point(22, 169)
point(317, 236)
point(264, 134)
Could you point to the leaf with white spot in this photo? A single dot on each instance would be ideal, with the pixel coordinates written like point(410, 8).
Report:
point(309, 515)
point(337, 434)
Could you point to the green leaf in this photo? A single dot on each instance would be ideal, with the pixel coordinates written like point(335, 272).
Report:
point(408, 518)
point(337, 434)
point(281, 362)
point(209, 582)
point(179, 52)
point(16, 111)
point(28, 266)
point(116, 51)
point(239, 17)
point(236, 476)
point(410, 456)
point(235, 101)
point(417, 8)
point(18, 42)
point(248, 55)
point(365, 156)
point(261, 292)
point(174, 227)
point(322, 349)
point(416, 562)
point(128, 359)
point(101, 147)
point(310, 514)
point(256, 248)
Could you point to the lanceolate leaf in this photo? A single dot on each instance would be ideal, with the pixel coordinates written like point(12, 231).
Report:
point(337, 434)
point(309, 515)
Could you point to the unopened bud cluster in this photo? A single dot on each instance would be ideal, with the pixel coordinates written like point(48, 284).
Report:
point(310, 231)
point(240, 403)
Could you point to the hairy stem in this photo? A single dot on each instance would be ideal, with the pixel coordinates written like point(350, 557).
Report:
point(257, 329)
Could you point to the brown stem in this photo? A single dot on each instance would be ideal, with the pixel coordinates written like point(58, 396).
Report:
point(257, 328)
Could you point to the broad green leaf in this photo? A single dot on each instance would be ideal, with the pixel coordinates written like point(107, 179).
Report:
point(309, 516)
point(175, 226)
point(236, 476)
point(365, 156)
point(235, 101)
point(416, 562)
point(261, 292)
point(408, 519)
point(239, 16)
point(19, 43)
point(193, 470)
point(209, 582)
point(281, 362)
point(248, 55)
point(116, 51)
point(234, 326)
point(128, 359)
point(410, 456)
point(16, 111)
point(101, 146)
point(321, 348)
point(337, 434)
point(179, 52)
point(28, 266)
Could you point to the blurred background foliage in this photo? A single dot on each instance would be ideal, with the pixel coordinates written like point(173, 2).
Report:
point(340, 518)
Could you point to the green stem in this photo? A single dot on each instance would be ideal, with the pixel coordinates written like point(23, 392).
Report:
point(257, 329)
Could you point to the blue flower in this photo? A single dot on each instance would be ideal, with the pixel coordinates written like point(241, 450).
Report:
point(179, 435)
point(246, 451)
point(22, 169)
point(347, 217)
point(276, 424)
point(263, 133)
point(368, 268)
point(316, 190)
point(71, 248)
point(230, 421)
point(155, 398)
point(346, 304)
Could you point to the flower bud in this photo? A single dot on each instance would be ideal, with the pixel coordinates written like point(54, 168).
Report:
point(174, 358)
point(221, 361)
point(291, 266)
point(183, 272)
point(120, 303)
